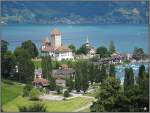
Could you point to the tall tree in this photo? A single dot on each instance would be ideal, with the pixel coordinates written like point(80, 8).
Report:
point(25, 65)
point(138, 54)
point(112, 71)
point(109, 91)
point(129, 79)
point(47, 67)
point(103, 73)
point(73, 48)
point(102, 51)
point(31, 48)
point(83, 50)
point(92, 72)
point(112, 48)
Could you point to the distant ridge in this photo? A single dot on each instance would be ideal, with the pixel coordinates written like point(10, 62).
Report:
point(75, 12)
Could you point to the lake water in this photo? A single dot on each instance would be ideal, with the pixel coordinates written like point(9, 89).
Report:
point(125, 37)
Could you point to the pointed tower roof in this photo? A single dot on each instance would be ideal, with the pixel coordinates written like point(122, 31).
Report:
point(55, 31)
point(87, 39)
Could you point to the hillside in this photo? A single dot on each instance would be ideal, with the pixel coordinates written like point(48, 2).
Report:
point(10, 90)
point(75, 12)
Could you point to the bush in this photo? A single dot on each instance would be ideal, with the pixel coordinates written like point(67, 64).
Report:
point(37, 107)
point(34, 94)
point(26, 90)
point(66, 93)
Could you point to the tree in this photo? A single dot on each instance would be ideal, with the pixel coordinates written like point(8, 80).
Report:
point(8, 62)
point(112, 48)
point(129, 79)
point(92, 73)
point(52, 84)
point(141, 74)
point(47, 67)
point(26, 90)
point(31, 48)
point(112, 71)
point(109, 90)
point(138, 54)
point(34, 94)
point(21, 52)
point(69, 84)
point(102, 51)
point(66, 93)
point(73, 48)
point(103, 73)
point(4, 46)
point(83, 50)
point(25, 65)
point(37, 107)
point(77, 81)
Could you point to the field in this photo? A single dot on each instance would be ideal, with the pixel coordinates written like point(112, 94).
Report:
point(11, 99)
point(10, 90)
point(52, 106)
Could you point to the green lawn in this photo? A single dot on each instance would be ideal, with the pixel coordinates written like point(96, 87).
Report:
point(10, 90)
point(52, 106)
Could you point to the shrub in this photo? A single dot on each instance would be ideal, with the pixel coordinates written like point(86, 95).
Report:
point(37, 107)
point(66, 93)
point(26, 90)
point(34, 94)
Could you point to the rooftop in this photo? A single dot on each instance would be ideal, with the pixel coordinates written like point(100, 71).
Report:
point(55, 31)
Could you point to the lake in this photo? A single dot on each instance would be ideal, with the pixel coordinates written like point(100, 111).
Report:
point(125, 37)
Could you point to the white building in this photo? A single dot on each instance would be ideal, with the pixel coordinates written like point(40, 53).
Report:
point(55, 48)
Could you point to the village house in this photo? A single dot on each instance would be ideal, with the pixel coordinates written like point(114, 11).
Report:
point(39, 81)
point(55, 48)
point(62, 73)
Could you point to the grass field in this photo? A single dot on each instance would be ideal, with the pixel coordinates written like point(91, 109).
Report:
point(9, 91)
point(52, 106)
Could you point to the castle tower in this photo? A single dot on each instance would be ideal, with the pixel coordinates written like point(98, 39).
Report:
point(87, 39)
point(55, 38)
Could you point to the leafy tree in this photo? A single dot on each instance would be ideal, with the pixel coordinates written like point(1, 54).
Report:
point(138, 54)
point(8, 61)
point(83, 50)
point(26, 90)
point(112, 71)
point(109, 90)
point(129, 78)
point(47, 67)
point(25, 70)
point(4, 46)
point(36, 107)
point(92, 72)
point(77, 81)
point(21, 52)
point(112, 48)
point(52, 84)
point(102, 51)
point(31, 48)
point(73, 48)
point(66, 93)
point(103, 73)
point(141, 74)
point(34, 94)
point(69, 84)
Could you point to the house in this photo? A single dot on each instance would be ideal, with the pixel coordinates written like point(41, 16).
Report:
point(55, 48)
point(91, 51)
point(62, 73)
point(39, 81)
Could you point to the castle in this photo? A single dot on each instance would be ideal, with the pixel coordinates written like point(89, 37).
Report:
point(55, 48)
